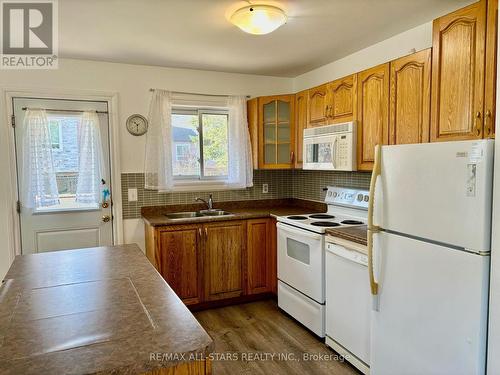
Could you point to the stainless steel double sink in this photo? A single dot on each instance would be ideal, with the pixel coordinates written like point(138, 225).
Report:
point(195, 214)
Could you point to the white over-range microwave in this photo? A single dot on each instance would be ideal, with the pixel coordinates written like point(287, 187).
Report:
point(330, 148)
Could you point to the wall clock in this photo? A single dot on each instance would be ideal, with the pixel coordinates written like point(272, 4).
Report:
point(137, 125)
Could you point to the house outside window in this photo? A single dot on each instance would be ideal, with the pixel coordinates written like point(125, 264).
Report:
point(65, 155)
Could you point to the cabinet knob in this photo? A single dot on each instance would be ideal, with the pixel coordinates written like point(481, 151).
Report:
point(478, 114)
point(106, 219)
point(292, 156)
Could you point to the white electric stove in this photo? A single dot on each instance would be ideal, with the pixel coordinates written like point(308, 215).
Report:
point(301, 254)
point(345, 207)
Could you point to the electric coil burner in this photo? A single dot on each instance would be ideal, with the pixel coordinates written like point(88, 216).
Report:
point(297, 217)
point(326, 224)
point(321, 216)
point(352, 222)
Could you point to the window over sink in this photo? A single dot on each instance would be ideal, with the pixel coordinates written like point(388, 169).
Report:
point(199, 144)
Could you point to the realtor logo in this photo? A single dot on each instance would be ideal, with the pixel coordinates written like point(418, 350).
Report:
point(29, 34)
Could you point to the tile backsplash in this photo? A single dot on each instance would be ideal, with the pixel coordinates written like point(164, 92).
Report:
point(310, 184)
point(282, 184)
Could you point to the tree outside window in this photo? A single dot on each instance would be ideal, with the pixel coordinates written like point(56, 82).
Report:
point(200, 144)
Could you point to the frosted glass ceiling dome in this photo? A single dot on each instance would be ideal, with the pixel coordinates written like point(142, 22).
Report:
point(259, 19)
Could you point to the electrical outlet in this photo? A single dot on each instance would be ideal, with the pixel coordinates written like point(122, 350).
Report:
point(132, 195)
point(265, 188)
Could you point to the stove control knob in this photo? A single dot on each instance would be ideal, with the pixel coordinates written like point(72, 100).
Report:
point(367, 198)
point(360, 197)
point(335, 194)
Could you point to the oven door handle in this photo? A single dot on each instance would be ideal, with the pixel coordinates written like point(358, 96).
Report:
point(299, 232)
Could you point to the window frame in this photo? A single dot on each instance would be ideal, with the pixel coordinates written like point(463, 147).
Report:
point(200, 111)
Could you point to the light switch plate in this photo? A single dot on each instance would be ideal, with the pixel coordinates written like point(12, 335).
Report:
point(132, 195)
point(265, 188)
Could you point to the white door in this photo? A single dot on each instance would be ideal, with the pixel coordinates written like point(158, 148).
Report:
point(67, 225)
point(432, 309)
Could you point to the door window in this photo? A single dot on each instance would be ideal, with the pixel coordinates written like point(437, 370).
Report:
point(64, 132)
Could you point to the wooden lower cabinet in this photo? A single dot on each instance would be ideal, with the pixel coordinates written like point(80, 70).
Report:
point(261, 252)
point(224, 259)
point(179, 260)
point(216, 261)
point(203, 367)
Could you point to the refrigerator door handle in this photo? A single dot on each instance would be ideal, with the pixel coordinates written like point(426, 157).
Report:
point(373, 228)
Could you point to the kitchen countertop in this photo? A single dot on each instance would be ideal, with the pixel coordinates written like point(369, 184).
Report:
point(92, 311)
point(240, 210)
point(357, 233)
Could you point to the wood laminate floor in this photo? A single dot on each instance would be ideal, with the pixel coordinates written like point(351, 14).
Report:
point(257, 338)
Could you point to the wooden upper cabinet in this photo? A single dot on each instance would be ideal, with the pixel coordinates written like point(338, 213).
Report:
point(373, 113)
point(490, 69)
point(179, 261)
point(342, 99)
point(318, 106)
point(410, 99)
point(253, 128)
point(224, 259)
point(260, 255)
point(301, 104)
point(458, 67)
point(276, 132)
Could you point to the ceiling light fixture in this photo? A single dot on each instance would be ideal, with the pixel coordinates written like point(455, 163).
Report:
point(259, 19)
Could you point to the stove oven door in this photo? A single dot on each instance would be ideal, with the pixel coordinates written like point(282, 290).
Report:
point(301, 260)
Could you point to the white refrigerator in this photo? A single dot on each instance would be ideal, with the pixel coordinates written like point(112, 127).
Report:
point(429, 255)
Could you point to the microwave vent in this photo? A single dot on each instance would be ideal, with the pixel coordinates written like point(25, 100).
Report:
point(346, 127)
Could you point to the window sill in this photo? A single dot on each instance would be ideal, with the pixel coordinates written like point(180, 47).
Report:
point(200, 186)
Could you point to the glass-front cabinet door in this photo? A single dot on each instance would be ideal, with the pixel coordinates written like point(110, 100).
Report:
point(276, 146)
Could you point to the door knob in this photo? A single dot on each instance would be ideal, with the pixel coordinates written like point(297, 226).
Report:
point(106, 218)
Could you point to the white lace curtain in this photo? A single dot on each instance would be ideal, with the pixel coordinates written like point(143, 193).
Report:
point(38, 177)
point(91, 160)
point(158, 161)
point(240, 166)
point(38, 174)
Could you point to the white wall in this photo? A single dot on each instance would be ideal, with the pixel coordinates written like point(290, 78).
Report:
point(132, 83)
point(399, 45)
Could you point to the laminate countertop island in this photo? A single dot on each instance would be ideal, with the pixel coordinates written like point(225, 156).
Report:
point(96, 311)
